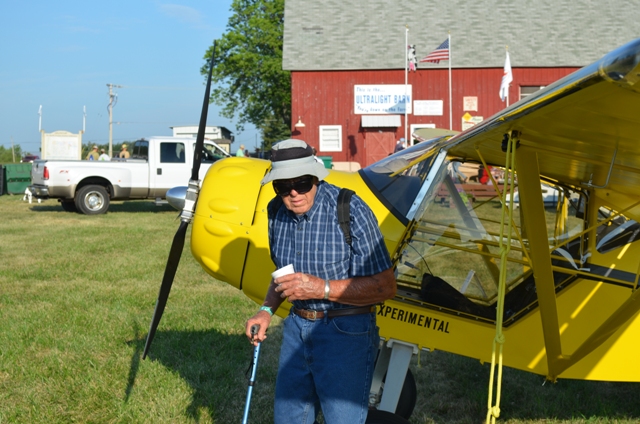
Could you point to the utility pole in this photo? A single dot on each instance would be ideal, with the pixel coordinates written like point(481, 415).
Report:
point(113, 99)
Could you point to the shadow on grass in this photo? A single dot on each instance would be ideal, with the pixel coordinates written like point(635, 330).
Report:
point(212, 363)
point(115, 207)
point(454, 389)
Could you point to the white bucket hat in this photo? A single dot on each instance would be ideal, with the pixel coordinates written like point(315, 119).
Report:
point(292, 159)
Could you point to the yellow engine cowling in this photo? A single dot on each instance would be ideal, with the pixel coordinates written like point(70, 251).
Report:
point(229, 234)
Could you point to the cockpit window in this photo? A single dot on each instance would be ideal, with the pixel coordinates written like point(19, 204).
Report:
point(452, 255)
point(397, 179)
point(617, 231)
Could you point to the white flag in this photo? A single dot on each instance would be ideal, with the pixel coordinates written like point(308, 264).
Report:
point(507, 77)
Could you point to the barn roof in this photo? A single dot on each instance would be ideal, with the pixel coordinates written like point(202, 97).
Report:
point(370, 34)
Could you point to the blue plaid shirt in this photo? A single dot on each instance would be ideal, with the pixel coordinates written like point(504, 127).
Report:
point(314, 242)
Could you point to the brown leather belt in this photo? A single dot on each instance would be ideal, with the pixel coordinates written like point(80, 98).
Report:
point(312, 315)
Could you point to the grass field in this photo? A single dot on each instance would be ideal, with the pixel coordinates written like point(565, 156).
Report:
point(76, 297)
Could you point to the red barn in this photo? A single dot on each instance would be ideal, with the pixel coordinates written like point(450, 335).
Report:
point(348, 63)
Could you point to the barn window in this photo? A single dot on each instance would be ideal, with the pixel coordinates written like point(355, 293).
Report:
point(528, 90)
point(330, 138)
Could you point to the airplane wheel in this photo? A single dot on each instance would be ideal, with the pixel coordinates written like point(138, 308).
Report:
point(384, 417)
point(408, 396)
point(92, 200)
point(68, 205)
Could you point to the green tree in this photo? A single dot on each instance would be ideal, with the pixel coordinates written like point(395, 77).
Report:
point(7, 156)
point(248, 76)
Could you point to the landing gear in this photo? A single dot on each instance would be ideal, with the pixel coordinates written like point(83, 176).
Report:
point(393, 387)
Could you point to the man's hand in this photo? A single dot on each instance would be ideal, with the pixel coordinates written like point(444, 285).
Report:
point(299, 286)
point(263, 319)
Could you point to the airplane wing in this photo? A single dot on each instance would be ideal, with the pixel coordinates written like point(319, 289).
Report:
point(581, 132)
point(584, 129)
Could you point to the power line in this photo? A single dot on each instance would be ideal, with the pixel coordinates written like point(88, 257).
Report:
point(151, 87)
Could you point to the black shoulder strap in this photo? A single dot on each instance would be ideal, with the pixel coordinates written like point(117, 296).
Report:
point(344, 213)
point(273, 206)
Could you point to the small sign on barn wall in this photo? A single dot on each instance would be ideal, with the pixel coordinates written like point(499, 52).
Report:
point(470, 103)
point(427, 107)
point(469, 121)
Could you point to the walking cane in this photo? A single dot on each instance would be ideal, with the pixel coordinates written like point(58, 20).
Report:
point(254, 367)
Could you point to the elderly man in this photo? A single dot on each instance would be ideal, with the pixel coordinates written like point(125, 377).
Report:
point(330, 337)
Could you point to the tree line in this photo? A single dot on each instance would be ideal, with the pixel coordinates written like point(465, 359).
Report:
point(250, 83)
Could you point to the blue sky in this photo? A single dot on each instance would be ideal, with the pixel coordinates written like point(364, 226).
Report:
point(62, 54)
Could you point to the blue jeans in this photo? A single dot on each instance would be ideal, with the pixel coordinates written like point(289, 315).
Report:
point(326, 364)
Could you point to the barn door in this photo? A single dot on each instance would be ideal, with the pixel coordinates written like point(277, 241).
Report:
point(378, 145)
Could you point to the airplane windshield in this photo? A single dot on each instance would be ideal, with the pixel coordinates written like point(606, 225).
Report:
point(397, 179)
point(452, 256)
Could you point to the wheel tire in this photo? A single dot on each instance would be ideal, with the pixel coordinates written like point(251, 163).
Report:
point(92, 200)
point(68, 205)
point(384, 417)
point(408, 396)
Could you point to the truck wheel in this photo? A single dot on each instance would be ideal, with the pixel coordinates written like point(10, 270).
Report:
point(68, 205)
point(92, 200)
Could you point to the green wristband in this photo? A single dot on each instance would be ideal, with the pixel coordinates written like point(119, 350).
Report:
point(268, 309)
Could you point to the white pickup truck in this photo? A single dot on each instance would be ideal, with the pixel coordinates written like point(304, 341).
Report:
point(156, 165)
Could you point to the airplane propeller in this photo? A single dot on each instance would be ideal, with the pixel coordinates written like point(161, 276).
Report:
point(186, 216)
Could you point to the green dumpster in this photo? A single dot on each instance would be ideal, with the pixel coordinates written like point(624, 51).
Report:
point(327, 161)
point(17, 177)
point(1, 180)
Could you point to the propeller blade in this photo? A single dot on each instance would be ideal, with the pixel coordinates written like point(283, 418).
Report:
point(167, 280)
point(197, 157)
point(186, 215)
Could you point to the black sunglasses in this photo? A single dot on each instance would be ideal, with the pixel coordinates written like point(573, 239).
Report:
point(285, 187)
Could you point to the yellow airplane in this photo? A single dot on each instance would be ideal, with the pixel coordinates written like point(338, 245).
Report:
point(501, 272)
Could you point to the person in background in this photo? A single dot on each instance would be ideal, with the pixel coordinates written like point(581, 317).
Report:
point(93, 154)
point(456, 173)
point(104, 156)
point(330, 338)
point(240, 151)
point(315, 156)
point(483, 174)
point(400, 145)
point(124, 154)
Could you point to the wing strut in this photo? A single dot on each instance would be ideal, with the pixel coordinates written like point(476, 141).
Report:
point(185, 216)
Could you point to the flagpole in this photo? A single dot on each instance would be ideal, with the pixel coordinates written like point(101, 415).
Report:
point(406, 79)
point(507, 50)
point(450, 106)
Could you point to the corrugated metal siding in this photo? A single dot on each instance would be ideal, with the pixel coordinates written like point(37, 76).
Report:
point(326, 98)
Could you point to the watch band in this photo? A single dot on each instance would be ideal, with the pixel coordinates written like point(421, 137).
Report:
point(327, 289)
point(268, 309)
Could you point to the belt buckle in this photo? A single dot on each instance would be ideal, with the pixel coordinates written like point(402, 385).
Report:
point(313, 315)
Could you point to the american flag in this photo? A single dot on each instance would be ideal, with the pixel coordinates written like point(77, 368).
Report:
point(440, 53)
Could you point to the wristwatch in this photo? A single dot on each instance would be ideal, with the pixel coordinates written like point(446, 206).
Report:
point(327, 288)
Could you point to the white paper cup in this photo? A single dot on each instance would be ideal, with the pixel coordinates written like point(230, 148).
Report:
point(285, 270)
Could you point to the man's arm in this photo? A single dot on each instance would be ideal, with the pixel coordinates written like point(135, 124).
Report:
point(358, 291)
point(263, 318)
